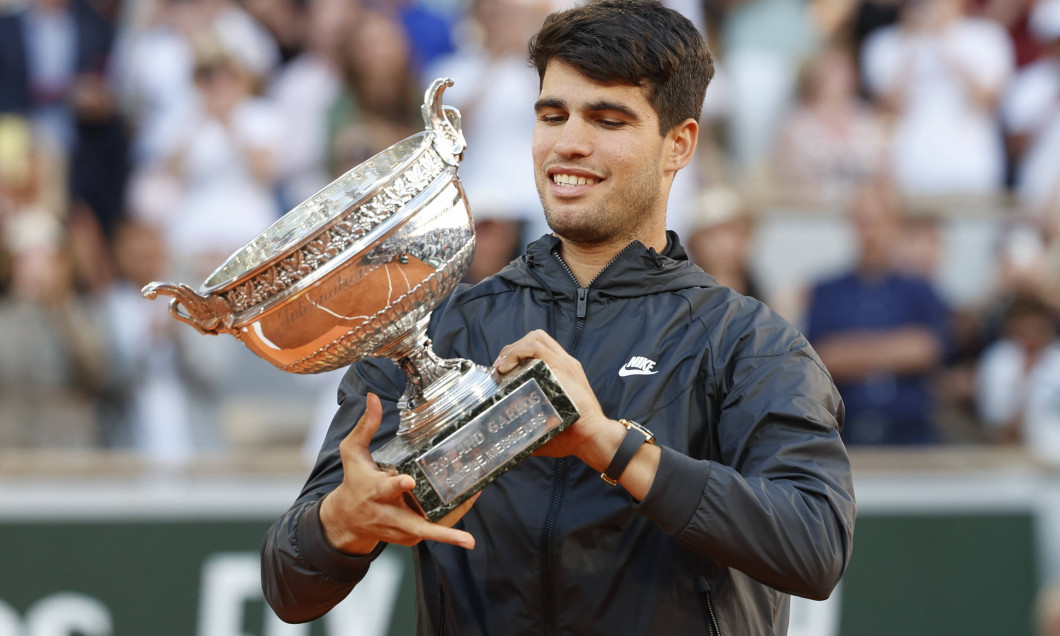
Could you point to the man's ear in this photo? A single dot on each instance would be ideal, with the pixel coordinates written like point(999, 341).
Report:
point(681, 142)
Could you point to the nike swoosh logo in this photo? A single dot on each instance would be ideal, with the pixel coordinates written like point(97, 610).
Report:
point(623, 372)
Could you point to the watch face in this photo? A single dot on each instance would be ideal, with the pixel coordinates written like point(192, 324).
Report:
point(630, 424)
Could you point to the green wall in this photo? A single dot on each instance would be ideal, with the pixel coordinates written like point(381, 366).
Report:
point(929, 574)
point(941, 575)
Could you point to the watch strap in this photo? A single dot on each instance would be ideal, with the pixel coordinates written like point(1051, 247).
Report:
point(636, 436)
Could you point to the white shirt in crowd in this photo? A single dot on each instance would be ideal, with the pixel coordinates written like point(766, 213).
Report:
point(944, 142)
point(1032, 108)
point(1008, 391)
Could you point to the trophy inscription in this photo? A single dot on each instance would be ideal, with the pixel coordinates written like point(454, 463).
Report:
point(355, 271)
point(497, 435)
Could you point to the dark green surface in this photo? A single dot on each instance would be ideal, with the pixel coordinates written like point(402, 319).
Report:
point(141, 571)
point(911, 575)
point(147, 574)
point(941, 575)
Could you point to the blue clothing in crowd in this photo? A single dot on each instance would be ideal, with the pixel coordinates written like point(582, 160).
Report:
point(883, 408)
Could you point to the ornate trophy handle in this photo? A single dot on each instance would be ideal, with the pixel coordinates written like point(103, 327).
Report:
point(444, 122)
point(208, 314)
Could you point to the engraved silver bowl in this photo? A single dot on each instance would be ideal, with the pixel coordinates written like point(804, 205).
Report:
point(356, 270)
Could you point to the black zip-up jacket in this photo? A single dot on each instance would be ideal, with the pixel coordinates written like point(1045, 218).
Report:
point(752, 500)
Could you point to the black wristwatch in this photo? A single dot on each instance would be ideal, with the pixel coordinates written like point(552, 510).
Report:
point(636, 435)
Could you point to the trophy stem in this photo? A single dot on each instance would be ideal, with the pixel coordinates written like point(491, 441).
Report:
point(439, 390)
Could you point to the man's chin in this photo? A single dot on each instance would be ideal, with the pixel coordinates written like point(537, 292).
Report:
point(578, 234)
point(581, 225)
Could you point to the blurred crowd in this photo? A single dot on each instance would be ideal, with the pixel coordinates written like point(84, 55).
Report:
point(146, 141)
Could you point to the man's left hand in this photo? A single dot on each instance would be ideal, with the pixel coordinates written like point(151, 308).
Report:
point(594, 437)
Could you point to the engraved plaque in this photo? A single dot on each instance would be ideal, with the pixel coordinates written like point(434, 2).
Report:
point(528, 409)
point(456, 464)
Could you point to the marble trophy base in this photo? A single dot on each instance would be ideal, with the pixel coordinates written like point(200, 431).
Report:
point(528, 409)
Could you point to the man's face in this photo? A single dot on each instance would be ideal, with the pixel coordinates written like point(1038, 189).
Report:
point(597, 157)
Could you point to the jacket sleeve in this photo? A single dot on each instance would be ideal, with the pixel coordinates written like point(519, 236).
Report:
point(302, 575)
point(779, 505)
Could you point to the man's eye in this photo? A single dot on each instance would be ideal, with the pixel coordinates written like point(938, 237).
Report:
point(552, 119)
point(612, 123)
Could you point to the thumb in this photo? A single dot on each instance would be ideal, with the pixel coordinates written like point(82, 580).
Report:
point(368, 425)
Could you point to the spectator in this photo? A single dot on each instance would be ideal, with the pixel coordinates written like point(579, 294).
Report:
point(765, 41)
point(832, 140)
point(51, 353)
point(381, 99)
point(304, 90)
point(1032, 116)
point(156, 62)
point(880, 333)
point(939, 74)
point(54, 66)
point(1016, 374)
point(54, 61)
point(31, 171)
point(1027, 266)
point(919, 249)
point(720, 241)
point(161, 393)
point(223, 150)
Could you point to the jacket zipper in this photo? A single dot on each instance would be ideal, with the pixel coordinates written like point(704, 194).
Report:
point(441, 613)
point(548, 547)
point(708, 611)
point(559, 484)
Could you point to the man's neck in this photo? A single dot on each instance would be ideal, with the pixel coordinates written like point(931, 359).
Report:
point(874, 268)
point(586, 261)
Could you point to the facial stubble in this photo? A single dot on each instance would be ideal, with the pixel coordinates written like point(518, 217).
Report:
point(616, 220)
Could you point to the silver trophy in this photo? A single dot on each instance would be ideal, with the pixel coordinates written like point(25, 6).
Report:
point(355, 271)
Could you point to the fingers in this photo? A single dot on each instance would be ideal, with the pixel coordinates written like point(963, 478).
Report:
point(369, 505)
point(536, 344)
point(395, 522)
point(355, 446)
point(443, 530)
point(442, 534)
point(368, 425)
point(395, 486)
point(409, 527)
point(458, 513)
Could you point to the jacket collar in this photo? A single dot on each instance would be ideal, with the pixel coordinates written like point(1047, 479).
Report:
point(636, 271)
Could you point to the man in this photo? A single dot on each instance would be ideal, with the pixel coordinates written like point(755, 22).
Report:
point(54, 57)
point(938, 74)
point(881, 332)
point(746, 494)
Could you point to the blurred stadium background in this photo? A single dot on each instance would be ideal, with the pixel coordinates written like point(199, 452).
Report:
point(844, 142)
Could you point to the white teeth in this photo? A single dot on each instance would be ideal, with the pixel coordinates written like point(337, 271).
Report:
point(571, 180)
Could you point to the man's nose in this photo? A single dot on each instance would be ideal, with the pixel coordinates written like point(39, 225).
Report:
point(574, 139)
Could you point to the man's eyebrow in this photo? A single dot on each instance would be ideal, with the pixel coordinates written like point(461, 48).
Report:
point(602, 105)
point(618, 107)
point(549, 102)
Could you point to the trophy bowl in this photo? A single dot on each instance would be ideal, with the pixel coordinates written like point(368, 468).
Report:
point(355, 271)
point(367, 257)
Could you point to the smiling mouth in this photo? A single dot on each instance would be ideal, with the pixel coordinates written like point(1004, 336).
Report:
point(572, 180)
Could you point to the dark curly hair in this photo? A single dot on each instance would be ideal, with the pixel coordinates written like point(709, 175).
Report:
point(637, 42)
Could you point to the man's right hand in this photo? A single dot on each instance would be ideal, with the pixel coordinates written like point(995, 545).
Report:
point(369, 505)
